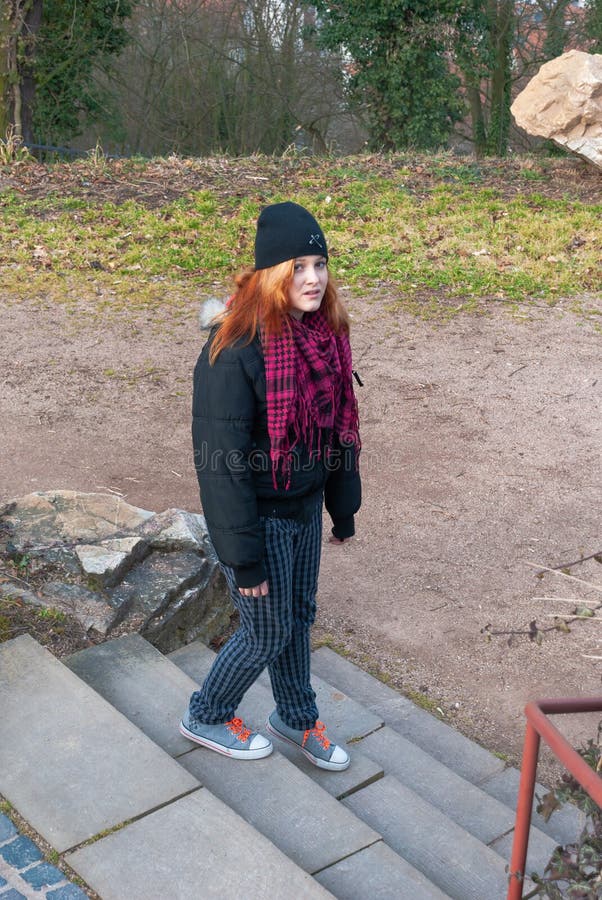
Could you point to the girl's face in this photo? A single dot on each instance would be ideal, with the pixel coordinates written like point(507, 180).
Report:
point(307, 288)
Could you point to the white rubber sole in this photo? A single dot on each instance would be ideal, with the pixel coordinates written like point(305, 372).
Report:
point(320, 763)
point(225, 751)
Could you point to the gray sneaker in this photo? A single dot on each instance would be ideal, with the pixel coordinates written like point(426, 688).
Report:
point(313, 743)
point(231, 738)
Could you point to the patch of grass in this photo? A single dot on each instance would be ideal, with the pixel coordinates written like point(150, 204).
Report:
point(51, 614)
point(505, 757)
point(442, 235)
point(327, 640)
point(51, 627)
point(424, 702)
point(106, 832)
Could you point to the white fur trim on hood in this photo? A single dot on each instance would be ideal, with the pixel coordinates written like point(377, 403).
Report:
point(211, 308)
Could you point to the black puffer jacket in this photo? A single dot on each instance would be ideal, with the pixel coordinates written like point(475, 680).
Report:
point(232, 461)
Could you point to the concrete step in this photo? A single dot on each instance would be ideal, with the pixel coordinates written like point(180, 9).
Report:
point(486, 818)
point(195, 847)
point(565, 824)
point(440, 740)
point(344, 718)
point(201, 818)
point(472, 762)
point(380, 873)
point(141, 683)
point(76, 768)
point(271, 794)
point(69, 762)
point(458, 863)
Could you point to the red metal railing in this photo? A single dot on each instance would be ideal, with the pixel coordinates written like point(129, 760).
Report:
point(539, 726)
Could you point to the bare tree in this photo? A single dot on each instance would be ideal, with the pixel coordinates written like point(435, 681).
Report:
point(240, 76)
point(20, 22)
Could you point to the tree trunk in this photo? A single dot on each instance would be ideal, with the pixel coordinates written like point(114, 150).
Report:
point(32, 23)
point(477, 119)
point(5, 23)
point(19, 23)
point(501, 25)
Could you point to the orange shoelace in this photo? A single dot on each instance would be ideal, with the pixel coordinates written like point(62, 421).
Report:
point(319, 732)
point(238, 728)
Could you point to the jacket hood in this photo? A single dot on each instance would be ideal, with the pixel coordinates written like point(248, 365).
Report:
point(211, 308)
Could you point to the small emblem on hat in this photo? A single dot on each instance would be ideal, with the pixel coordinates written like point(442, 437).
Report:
point(315, 239)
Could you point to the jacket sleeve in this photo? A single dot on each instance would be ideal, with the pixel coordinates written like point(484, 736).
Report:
point(343, 491)
point(223, 416)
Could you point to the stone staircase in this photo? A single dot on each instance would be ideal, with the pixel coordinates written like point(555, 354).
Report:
point(91, 757)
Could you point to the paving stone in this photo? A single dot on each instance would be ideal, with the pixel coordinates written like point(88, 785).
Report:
point(454, 860)
point(298, 816)
point(2, 881)
point(7, 829)
point(67, 892)
point(191, 848)
point(13, 895)
point(379, 872)
point(258, 702)
point(78, 767)
point(141, 683)
point(42, 875)
point(21, 852)
point(457, 752)
point(565, 824)
point(468, 806)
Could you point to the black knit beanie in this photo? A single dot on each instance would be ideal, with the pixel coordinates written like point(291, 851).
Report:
point(285, 231)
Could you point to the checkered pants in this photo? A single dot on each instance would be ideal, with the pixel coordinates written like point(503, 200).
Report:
point(274, 630)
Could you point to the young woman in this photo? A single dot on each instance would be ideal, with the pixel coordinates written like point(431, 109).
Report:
point(275, 434)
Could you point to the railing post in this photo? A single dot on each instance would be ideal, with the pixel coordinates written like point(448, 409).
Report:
point(524, 805)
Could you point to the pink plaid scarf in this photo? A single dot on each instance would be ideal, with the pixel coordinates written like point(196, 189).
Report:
point(309, 391)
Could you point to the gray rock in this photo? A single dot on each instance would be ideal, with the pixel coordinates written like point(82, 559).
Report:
point(47, 518)
point(108, 563)
point(176, 529)
point(86, 606)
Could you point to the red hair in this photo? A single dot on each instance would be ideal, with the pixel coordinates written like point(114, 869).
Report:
point(261, 300)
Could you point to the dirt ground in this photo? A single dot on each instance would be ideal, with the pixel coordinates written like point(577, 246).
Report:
point(481, 461)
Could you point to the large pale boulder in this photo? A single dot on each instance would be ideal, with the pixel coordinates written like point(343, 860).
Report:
point(563, 102)
point(110, 564)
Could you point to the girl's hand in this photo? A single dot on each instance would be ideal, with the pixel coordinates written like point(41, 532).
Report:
point(260, 590)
